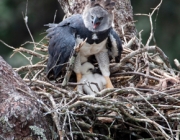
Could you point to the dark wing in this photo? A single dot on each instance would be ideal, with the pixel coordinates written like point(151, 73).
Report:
point(114, 45)
point(61, 44)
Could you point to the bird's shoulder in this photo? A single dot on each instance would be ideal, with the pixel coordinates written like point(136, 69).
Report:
point(114, 34)
point(114, 45)
point(74, 21)
point(69, 26)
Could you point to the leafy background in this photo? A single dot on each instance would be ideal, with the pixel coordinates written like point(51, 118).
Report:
point(14, 32)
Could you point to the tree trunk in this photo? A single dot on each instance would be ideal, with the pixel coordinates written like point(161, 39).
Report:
point(123, 14)
point(20, 114)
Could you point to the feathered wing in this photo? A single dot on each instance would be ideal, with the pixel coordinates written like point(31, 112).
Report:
point(61, 44)
point(114, 45)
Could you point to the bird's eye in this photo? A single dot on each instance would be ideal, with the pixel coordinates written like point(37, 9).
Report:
point(92, 17)
point(91, 70)
point(100, 18)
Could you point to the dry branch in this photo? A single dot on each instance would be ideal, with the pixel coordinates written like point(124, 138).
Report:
point(71, 63)
point(146, 97)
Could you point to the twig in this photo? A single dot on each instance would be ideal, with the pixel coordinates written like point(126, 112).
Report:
point(94, 135)
point(55, 16)
point(71, 63)
point(11, 47)
point(137, 73)
point(41, 83)
point(28, 67)
point(129, 56)
point(30, 52)
point(157, 112)
point(26, 23)
point(177, 63)
point(54, 114)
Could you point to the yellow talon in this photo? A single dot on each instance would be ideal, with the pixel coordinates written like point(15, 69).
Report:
point(78, 78)
point(108, 82)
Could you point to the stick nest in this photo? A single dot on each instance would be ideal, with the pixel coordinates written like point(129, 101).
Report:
point(145, 103)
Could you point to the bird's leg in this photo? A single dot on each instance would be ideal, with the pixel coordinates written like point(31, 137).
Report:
point(103, 61)
point(78, 76)
point(108, 82)
point(77, 69)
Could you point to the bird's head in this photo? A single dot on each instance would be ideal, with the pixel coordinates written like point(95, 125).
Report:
point(87, 68)
point(98, 15)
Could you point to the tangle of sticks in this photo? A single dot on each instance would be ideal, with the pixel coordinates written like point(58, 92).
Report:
point(145, 103)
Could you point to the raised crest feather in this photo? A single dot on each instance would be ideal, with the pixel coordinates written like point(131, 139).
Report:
point(106, 4)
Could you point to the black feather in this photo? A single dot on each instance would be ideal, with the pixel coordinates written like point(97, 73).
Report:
point(61, 44)
point(62, 39)
point(118, 44)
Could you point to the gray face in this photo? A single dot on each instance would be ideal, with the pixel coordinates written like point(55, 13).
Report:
point(97, 19)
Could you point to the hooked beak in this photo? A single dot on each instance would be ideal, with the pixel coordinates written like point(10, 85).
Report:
point(96, 22)
point(95, 70)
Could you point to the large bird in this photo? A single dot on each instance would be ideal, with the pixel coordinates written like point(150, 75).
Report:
point(95, 24)
point(88, 75)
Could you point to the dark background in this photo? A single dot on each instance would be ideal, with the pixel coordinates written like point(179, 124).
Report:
point(14, 32)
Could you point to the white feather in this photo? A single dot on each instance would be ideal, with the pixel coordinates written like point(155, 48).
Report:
point(86, 51)
point(114, 49)
point(94, 36)
point(91, 49)
point(88, 76)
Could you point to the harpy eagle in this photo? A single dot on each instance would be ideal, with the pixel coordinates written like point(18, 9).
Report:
point(95, 24)
point(87, 71)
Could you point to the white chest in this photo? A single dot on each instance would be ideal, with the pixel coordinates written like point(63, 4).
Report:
point(91, 49)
